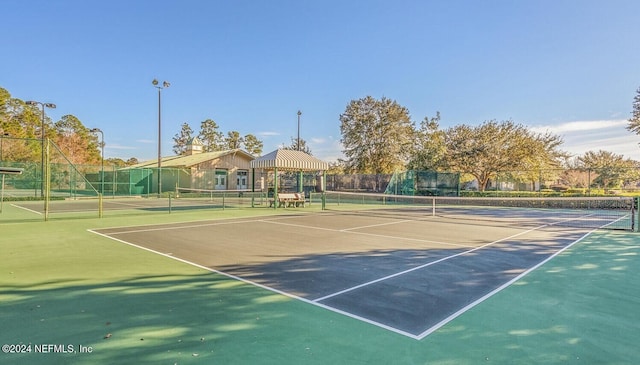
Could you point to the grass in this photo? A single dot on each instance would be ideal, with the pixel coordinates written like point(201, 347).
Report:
point(60, 284)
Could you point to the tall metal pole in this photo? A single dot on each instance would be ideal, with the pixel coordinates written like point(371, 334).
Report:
point(42, 136)
point(156, 85)
point(299, 172)
point(159, 144)
point(42, 154)
point(102, 164)
point(299, 114)
point(98, 130)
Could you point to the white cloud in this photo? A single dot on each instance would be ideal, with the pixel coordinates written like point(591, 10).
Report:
point(580, 126)
point(115, 146)
point(326, 149)
point(146, 141)
point(268, 134)
point(608, 135)
point(316, 140)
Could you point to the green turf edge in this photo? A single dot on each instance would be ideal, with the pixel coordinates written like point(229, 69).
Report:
point(61, 284)
point(580, 307)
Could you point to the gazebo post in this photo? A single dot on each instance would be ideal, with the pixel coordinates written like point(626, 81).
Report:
point(323, 186)
point(275, 187)
point(300, 190)
point(253, 187)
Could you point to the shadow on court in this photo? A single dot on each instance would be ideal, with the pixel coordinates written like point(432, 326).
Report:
point(398, 274)
point(146, 319)
point(410, 291)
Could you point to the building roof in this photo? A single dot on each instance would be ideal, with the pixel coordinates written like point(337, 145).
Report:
point(192, 160)
point(194, 141)
point(289, 160)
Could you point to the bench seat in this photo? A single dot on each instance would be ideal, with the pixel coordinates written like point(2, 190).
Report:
point(289, 200)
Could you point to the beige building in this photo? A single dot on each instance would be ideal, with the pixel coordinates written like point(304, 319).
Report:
point(218, 170)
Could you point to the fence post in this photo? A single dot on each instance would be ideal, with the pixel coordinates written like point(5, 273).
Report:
point(47, 172)
point(634, 211)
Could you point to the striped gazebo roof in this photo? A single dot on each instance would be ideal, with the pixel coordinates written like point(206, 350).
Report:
point(282, 159)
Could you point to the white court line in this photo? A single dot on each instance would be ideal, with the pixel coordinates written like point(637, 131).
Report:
point(366, 234)
point(27, 209)
point(214, 223)
point(425, 265)
point(498, 289)
point(289, 295)
point(197, 224)
point(382, 224)
point(114, 202)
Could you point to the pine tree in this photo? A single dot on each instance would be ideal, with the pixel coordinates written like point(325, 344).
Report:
point(181, 140)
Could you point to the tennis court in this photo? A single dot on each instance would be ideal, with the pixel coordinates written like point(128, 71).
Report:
point(407, 271)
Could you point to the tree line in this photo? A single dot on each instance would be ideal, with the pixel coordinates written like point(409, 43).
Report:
point(19, 120)
point(214, 140)
point(378, 137)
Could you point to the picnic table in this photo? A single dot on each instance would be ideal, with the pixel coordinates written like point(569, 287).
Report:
point(288, 200)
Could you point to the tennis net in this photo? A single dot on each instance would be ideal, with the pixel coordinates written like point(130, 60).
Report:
point(582, 212)
point(189, 197)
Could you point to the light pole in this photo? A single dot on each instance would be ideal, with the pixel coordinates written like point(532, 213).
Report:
point(298, 143)
point(157, 86)
point(42, 135)
point(299, 114)
point(98, 130)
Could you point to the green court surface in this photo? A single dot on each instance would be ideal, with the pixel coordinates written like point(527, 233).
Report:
point(62, 284)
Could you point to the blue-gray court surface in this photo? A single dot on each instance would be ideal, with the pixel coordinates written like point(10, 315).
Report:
point(409, 274)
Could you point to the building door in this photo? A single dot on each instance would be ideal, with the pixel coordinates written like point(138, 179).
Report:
point(242, 180)
point(221, 180)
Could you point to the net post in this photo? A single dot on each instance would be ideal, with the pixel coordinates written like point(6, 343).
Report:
point(433, 206)
point(100, 206)
point(2, 194)
point(170, 202)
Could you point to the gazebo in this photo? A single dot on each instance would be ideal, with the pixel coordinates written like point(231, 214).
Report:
point(288, 160)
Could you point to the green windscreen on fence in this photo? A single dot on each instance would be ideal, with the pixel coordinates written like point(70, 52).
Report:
point(424, 183)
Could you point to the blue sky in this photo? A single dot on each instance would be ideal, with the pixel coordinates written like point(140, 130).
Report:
point(569, 67)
